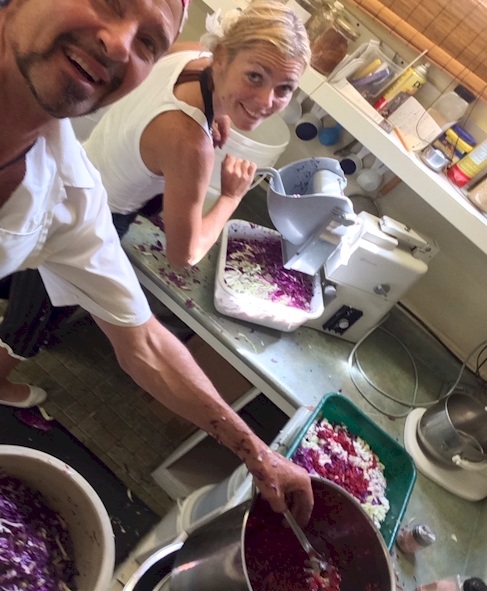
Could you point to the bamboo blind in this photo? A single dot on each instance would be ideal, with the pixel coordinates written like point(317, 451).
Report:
point(453, 31)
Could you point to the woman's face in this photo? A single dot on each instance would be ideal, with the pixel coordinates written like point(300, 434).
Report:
point(260, 81)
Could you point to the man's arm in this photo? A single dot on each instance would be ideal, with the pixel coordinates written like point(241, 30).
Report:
point(164, 367)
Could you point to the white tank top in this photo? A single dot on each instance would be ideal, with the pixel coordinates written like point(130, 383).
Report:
point(114, 144)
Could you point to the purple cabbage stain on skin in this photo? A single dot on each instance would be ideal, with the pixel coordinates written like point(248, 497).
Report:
point(257, 474)
point(214, 423)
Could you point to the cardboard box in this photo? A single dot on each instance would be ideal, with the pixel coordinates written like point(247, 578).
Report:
point(230, 384)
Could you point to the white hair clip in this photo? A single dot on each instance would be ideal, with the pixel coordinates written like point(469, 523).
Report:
point(216, 25)
point(213, 23)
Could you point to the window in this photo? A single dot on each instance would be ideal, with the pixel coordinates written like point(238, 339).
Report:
point(453, 31)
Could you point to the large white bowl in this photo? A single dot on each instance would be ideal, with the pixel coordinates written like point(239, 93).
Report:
point(262, 145)
point(70, 495)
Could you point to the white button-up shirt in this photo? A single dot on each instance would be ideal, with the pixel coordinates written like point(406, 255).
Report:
point(58, 221)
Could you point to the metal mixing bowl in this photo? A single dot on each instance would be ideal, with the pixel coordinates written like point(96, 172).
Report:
point(214, 557)
point(455, 427)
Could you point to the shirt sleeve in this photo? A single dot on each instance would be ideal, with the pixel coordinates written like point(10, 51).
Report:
point(86, 265)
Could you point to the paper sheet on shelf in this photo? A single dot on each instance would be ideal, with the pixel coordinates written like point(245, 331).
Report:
point(417, 127)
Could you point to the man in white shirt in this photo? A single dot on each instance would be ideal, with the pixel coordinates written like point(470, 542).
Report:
point(64, 58)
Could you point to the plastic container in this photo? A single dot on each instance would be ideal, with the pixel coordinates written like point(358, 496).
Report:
point(322, 15)
point(75, 500)
point(368, 70)
point(469, 166)
point(253, 308)
point(455, 583)
point(455, 143)
point(330, 47)
point(405, 86)
point(450, 107)
point(478, 195)
point(400, 471)
point(415, 538)
point(263, 145)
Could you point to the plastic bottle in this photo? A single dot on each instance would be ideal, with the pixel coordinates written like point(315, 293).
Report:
point(406, 85)
point(415, 538)
point(469, 166)
point(455, 583)
point(450, 107)
point(478, 195)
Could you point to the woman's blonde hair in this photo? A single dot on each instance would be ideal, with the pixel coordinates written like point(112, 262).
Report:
point(263, 20)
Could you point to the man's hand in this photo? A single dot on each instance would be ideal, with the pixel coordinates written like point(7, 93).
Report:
point(284, 484)
point(220, 131)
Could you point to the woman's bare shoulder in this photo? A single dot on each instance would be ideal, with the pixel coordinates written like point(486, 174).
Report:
point(174, 134)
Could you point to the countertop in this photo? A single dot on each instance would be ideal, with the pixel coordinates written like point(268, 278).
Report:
point(298, 368)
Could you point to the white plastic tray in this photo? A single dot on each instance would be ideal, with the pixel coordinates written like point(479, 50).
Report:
point(250, 307)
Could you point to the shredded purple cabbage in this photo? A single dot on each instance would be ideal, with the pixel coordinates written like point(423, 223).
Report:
point(291, 287)
point(36, 551)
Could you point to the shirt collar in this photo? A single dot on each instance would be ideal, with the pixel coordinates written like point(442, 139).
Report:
point(72, 164)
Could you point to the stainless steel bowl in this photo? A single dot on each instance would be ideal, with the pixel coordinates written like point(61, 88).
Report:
point(213, 558)
point(155, 572)
point(453, 432)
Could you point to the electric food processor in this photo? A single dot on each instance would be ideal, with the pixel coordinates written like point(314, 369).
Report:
point(366, 263)
point(448, 442)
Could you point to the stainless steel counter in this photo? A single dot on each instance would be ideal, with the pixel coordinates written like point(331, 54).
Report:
point(292, 369)
point(298, 368)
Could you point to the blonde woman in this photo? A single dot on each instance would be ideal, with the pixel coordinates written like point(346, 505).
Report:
point(159, 139)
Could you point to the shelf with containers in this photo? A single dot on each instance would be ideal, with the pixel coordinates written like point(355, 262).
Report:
point(434, 188)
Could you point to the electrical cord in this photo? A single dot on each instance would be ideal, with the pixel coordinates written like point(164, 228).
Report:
point(413, 402)
point(480, 379)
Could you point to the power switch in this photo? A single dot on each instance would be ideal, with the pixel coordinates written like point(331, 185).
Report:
point(342, 320)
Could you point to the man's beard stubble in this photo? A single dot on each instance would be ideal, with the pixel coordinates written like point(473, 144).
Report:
point(72, 94)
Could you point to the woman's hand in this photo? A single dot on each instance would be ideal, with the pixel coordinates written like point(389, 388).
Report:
point(236, 176)
point(220, 131)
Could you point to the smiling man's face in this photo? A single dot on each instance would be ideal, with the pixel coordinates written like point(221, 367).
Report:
point(79, 55)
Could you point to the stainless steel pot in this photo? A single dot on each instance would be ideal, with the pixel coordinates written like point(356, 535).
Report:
point(154, 571)
point(453, 432)
point(213, 556)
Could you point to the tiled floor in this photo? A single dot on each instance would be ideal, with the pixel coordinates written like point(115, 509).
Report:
point(98, 403)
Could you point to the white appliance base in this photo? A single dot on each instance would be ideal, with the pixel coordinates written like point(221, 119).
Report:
point(467, 484)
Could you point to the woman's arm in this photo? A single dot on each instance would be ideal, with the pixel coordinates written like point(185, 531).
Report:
point(175, 145)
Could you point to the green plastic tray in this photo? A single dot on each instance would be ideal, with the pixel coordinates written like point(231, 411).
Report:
point(399, 468)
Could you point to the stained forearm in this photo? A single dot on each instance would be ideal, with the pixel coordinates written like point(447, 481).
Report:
point(161, 365)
